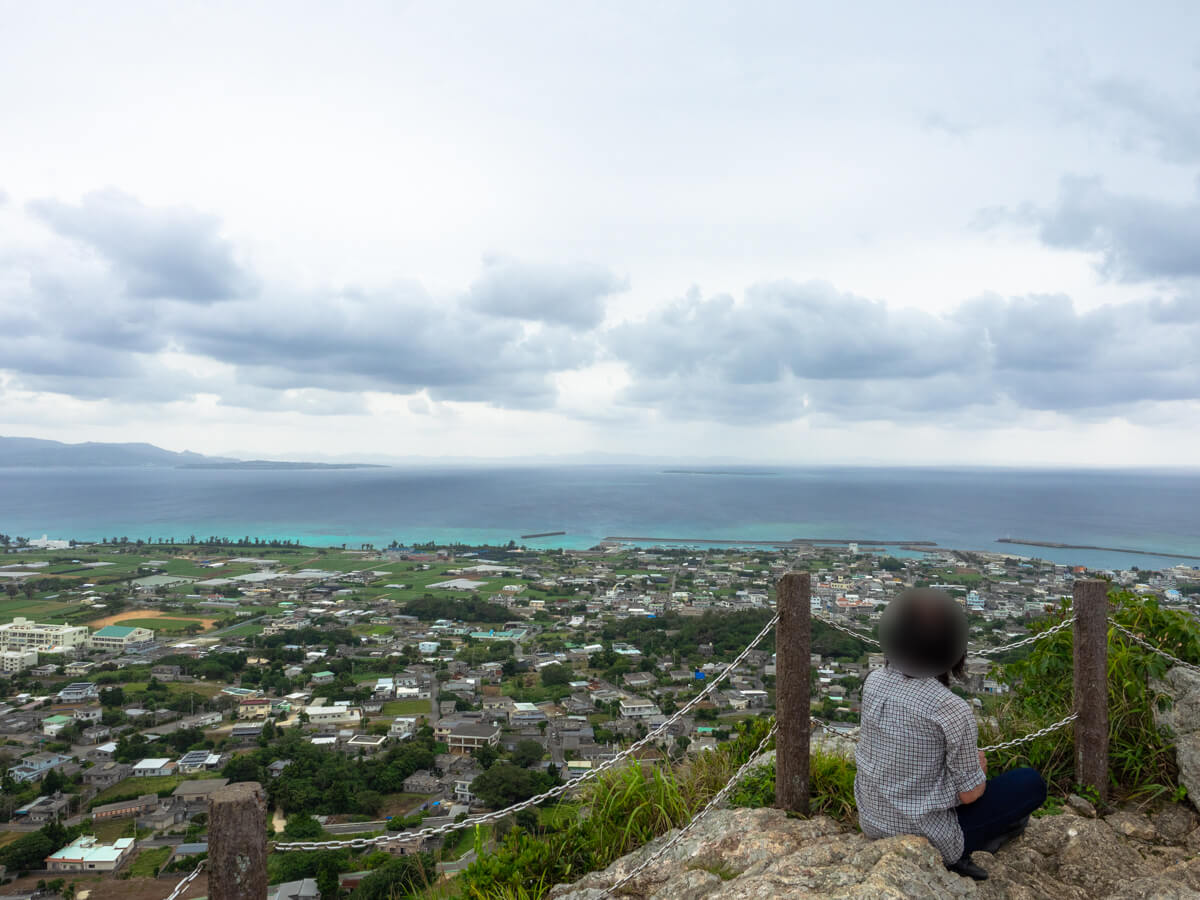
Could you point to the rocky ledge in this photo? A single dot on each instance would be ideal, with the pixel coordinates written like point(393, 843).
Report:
point(761, 854)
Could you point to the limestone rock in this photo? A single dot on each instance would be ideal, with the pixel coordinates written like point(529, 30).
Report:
point(1130, 824)
point(760, 854)
point(1182, 718)
point(1174, 823)
point(1081, 806)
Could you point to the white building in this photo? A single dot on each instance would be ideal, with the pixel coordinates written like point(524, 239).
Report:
point(637, 708)
point(117, 638)
point(153, 766)
point(17, 660)
point(78, 691)
point(24, 634)
point(333, 715)
point(86, 854)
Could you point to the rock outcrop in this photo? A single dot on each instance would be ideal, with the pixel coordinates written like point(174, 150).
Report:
point(761, 854)
point(1182, 718)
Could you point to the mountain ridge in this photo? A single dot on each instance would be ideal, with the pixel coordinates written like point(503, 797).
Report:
point(38, 453)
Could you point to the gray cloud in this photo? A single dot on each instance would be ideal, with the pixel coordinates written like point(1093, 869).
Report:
point(570, 295)
point(171, 253)
point(793, 350)
point(1143, 115)
point(1135, 239)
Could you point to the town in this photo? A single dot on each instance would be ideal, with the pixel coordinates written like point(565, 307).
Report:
point(382, 691)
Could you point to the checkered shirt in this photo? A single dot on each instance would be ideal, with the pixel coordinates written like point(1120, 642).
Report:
point(916, 753)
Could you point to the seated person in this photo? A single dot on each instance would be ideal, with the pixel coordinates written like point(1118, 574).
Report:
point(919, 767)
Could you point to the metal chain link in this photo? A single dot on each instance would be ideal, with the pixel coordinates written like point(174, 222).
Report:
point(1138, 640)
point(1041, 732)
point(187, 879)
point(1033, 638)
point(847, 630)
point(716, 798)
point(572, 784)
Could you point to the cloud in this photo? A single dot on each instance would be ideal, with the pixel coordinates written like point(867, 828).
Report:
point(159, 253)
point(569, 295)
point(1134, 238)
point(521, 333)
point(790, 351)
point(1144, 115)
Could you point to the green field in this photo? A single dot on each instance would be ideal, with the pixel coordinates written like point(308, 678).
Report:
point(133, 787)
point(204, 688)
point(405, 708)
point(148, 861)
point(162, 625)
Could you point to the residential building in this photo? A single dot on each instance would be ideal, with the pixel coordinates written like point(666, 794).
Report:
point(637, 708)
point(106, 774)
point(254, 708)
point(52, 725)
point(197, 794)
point(24, 634)
point(44, 809)
point(17, 660)
point(79, 691)
point(86, 854)
point(35, 767)
point(467, 736)
point(153, 766)
point(119, 638)
point(333, 715)
point(124, 809)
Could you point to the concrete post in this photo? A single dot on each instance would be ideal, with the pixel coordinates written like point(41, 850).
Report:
point(793, 695)
point(237, 843)
point(1091, 685)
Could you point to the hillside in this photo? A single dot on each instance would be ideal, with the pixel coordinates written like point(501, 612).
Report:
point(36, 453)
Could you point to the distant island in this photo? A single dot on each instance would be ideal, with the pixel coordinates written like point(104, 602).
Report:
point(34, 453)
point(713, 472)
point(261, 464)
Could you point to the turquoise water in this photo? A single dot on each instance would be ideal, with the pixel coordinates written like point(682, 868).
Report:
point(960, 508)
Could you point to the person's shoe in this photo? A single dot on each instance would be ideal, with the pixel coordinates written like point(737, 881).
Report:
point(1011, 835)
point(967, 868)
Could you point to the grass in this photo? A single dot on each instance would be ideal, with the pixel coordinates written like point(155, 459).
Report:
point(108, 830)
point(7, 837)
point(148, 862)
point(133, 787)
point(405, 708)
point(163, 625)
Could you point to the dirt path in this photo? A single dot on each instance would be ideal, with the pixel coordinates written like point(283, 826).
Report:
point(117, 618)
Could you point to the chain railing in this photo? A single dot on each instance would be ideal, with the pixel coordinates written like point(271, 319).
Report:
point(1145, 643)
point(972, 649)
point(712, 804)
point(185, 881)
point(553, 792)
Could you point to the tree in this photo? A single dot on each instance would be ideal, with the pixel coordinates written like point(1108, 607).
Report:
point(556, 674)
point(527, 753)
point(505, 784)
point(399, 878)
point(302, 827)
point(327, 881)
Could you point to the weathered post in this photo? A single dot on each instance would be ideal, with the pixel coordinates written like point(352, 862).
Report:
point(793, 643)
point(237, 843)
point(1091, 685)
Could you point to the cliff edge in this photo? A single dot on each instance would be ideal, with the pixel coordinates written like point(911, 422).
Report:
point(761, 854)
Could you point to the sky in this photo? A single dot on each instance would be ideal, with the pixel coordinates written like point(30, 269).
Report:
point(771, 232)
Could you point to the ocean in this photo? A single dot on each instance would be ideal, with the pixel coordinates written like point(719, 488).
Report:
point(958, 508)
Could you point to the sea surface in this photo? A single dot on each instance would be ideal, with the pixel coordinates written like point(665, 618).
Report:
point(957, 508)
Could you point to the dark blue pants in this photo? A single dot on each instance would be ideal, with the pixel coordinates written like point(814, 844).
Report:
point(1006, 800)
